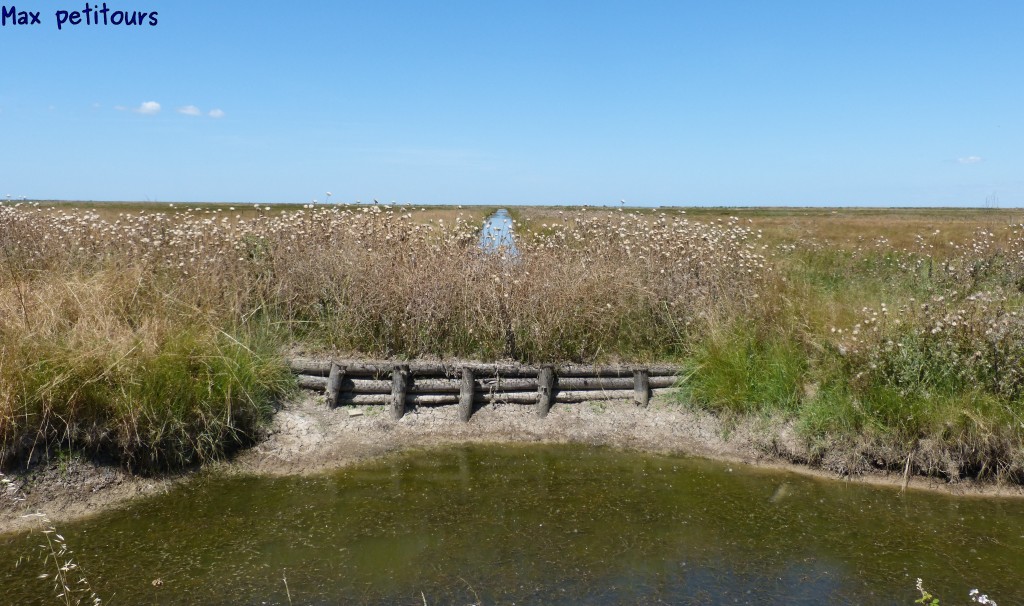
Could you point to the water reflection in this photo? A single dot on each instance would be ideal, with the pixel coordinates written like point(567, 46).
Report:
point(496, 236)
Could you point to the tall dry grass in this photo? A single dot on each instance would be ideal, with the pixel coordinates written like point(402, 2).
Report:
point(156, 337)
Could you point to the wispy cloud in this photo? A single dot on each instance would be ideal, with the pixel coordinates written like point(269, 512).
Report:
point(217, 113)
point(120, 108)
point(969, 160)
point(190, 110)
point(148, 108)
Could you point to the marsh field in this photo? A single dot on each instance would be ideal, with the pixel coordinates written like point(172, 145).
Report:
point(153, 335)
point(153, 338)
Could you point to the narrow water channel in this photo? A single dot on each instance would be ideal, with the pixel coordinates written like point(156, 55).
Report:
point(537, 525)
point(496, 235)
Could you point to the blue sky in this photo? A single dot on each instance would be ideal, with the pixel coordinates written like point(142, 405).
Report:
point(916, 103)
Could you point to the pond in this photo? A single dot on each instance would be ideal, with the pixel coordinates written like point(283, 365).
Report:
point(537, 524)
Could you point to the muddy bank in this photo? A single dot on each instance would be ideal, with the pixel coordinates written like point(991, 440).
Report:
point(307, 438)
point(65, 490)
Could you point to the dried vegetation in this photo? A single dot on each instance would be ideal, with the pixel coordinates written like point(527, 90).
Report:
point(156, 337)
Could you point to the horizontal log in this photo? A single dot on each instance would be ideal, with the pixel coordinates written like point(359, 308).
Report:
point(587, 383)
point(382, 370)
point(428, 386)
point(514, 397)
point(431, 369)
point(570, 383)
point(312, 383)
point(349, 399)
point(592, 396)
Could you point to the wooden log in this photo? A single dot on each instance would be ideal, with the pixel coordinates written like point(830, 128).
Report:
point(312, 383)
point(368, 386)
point(305, 366)
point(415, 385)
point(381, 370)
point(493, 383)
point(466, 395)
point(384, 399)
point(593, 396)
point(399, 387)
point(513, 397)
point(566, 383)
point(431, 386)
point(597, 383)
point(545, 390)
point(582, 370)
point(560, 397)
point(663, 382)
point(334, 385)
point(641, 388)
point(384, 369)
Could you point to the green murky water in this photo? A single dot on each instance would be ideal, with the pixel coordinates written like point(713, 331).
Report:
point(537, 525)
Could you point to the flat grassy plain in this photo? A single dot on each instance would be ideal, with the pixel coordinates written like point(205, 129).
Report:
point(155, 335)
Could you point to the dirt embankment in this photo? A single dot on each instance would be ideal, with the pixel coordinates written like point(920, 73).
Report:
point(306, 437)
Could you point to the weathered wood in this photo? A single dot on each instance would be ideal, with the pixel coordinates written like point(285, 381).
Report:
point(560, 397)
point(433, 386)
point(641, 388)
point(384, 399)
point(588, 383)
point(514, 397)
point(593, 396)
point(545, 390)
point(416, 385)
point(334, 385)
point(566, 383)
point(305, 366)
point(466, 395)
point(384, 369)
point(582, 370)
point(312, 383)
point(380, 370)
point(399, 387)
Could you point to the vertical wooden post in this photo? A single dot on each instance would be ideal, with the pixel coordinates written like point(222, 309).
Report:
point(642, 387)
point(334, 384)
point(545, 390)
point(399, 387)
point(466, 395)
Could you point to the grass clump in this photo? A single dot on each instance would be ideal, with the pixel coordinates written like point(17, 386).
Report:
point(741, 372)
point(182, 399)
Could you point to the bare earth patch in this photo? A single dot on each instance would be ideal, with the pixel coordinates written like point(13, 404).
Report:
point(306, 437)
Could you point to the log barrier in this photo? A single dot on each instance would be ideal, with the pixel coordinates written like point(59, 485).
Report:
point(399, 385)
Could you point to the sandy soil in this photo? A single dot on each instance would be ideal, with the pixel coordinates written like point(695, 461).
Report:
point(307, 437)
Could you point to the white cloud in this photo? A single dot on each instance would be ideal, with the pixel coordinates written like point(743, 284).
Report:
point(969, 160)
point(190, 110)
point(120, 108)
point(217, 113)
point(148, 108)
